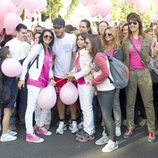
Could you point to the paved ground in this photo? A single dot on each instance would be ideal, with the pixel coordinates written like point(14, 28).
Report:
point(65, 146)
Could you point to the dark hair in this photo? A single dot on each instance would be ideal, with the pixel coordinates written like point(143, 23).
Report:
point(132, 13)
point(99, 24)
point(88, 24)
point(83, 35)
point(35, 34)
point(41, 38)
point(96, 44)
point(69, 28)
point(6, 39)
point(19, 27)
point(135, 17)
point(4, 51)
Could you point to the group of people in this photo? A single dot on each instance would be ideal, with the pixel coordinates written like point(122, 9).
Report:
point(57, 57)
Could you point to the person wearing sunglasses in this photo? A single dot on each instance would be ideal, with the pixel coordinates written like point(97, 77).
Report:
point(112, 48)
point(40, 75)
point(137, 48)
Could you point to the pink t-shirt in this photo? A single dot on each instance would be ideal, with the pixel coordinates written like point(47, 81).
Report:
point(110, 53)
point(81, 80)
point(44, 76)
point(134, 58)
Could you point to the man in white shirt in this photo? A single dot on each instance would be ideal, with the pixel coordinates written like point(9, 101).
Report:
point(19, 49)
point(64, 49)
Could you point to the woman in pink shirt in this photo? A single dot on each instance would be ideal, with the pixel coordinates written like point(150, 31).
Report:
point(137, 50)
point(81, 73)
point(112, 48)
point(40, 74)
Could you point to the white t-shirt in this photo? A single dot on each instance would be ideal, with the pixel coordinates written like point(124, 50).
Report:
point(18, 49)
point(63, 48)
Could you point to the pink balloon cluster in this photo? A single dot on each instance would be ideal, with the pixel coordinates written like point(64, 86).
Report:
point(141, 5)
point(10, 11)
point(95, 7)
point(68, 93)
point(47, 98)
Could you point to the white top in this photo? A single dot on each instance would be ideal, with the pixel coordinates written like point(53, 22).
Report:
point(18, 49)
point(34, 72)
point(85, 61)
point(63, 49)
point(106, 85)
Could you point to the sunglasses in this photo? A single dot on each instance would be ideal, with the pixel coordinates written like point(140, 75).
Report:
point(47, 36)
point(134, 23)
point(108, 34)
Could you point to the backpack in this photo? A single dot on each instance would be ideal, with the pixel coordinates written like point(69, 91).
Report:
point(119, 72)
point(5, 94)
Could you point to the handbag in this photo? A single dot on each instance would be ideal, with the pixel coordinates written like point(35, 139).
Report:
point(152, 65)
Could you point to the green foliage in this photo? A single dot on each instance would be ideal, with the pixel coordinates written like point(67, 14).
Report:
point(54, 7)
point(121, 10)
point(71, 8)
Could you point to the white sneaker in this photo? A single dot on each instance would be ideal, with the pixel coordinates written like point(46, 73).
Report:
point(7, 138)
point(103, 140)
point(73, 127)
point(61, 128)
point(111, 146)
point(13, 133)
point(118, 131)
point(80, 125)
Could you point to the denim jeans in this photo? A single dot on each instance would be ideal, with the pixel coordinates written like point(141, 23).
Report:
point(106, 100)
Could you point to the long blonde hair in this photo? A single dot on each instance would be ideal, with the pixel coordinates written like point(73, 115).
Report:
point(116, 41)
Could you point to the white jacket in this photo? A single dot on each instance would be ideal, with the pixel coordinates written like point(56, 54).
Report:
point(85, 61)
point(34, 72)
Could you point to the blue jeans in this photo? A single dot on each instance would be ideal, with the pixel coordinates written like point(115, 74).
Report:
point(106, 99)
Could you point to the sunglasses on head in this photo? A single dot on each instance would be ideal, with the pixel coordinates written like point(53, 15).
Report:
point(134, 23)
point(47, 36)
point(108, 34)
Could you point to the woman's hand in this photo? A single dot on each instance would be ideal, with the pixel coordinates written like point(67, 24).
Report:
point(21, 84)
point(70, 76)
point(52, 82)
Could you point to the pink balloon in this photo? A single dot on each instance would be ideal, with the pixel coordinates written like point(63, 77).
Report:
point(17, 2)
point(156, 2)
point(10, 31)
point(11, 21)
point(142, 5)
point(3, 12)
point(68, 93)
point(92, 10)
point(86, 2)
point(28, 14)
point(32, 5)
point(11, 67)
point(12, 7)
point(47, 98)
point(104, 7)
point(43, 6)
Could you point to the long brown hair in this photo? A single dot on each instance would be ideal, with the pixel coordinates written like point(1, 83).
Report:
point(136, 17)
point(96, 44)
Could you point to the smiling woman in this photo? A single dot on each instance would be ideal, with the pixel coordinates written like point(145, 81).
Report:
point(137, 48)
point(40, 74)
